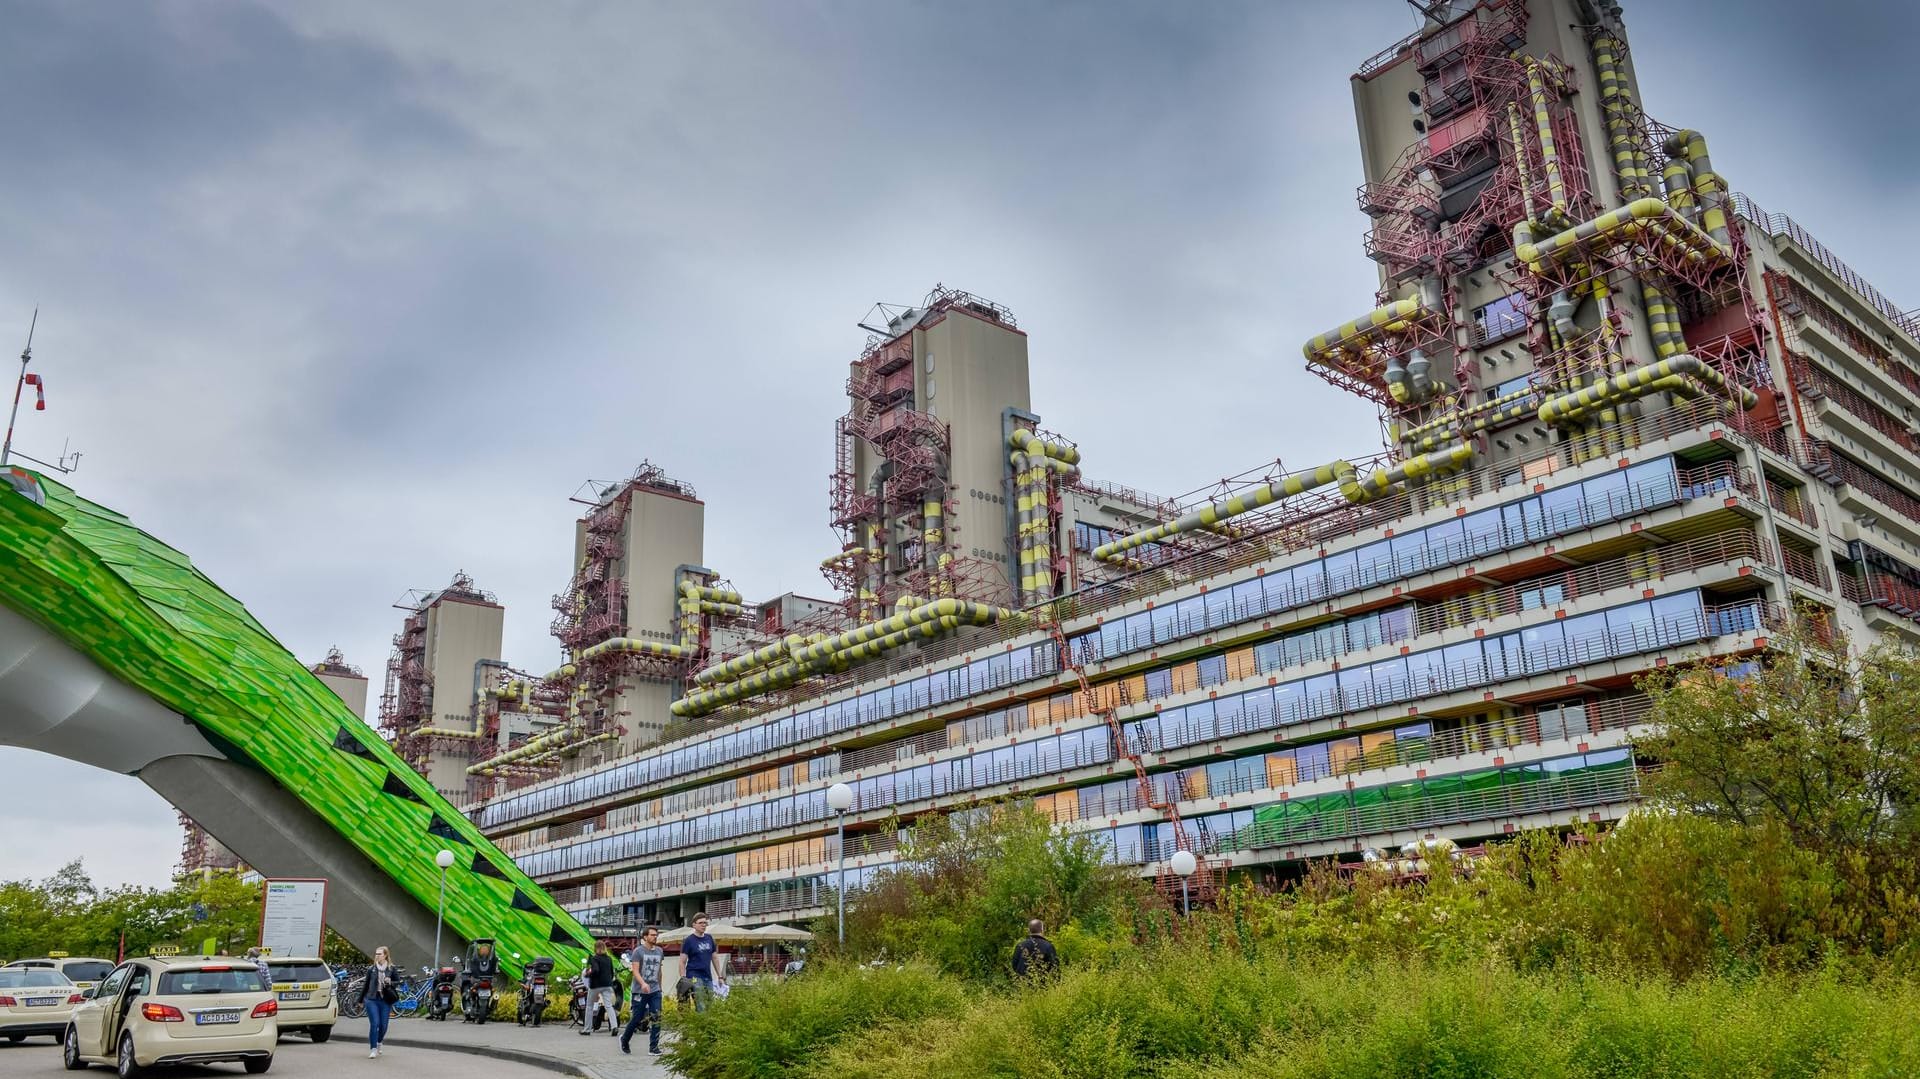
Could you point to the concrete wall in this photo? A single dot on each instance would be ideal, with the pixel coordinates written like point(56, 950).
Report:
point(350, 688)
point(460, 632)
point(968, 372)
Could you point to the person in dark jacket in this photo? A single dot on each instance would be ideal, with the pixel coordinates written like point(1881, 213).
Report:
point(378, 994)
point(600, 982)
point(1034, 956)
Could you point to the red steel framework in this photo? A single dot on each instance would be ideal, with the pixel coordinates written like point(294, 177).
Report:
point(881, 412)
point(406, 705)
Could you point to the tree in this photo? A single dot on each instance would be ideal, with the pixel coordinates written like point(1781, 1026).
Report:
point(1812, 737)
point(965, 884)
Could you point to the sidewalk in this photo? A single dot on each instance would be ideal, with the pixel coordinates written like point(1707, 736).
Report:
point(555, 1046)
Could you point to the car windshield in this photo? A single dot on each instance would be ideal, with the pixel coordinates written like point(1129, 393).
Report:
point(90, 970)
point(33, 979)
point(211, 980)
point(299, 972)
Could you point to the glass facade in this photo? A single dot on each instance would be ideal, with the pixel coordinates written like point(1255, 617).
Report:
point(1604, 498)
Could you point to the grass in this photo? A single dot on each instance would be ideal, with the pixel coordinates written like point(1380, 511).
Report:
point(1181, 1015)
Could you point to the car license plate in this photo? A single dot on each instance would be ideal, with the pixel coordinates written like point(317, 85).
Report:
point(539, 992)
point(209, 1018)
point(298, 994)
point(42, 1002)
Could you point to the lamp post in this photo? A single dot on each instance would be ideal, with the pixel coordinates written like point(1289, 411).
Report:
point(1184, 863)
point(444, 860)
point(840, 799)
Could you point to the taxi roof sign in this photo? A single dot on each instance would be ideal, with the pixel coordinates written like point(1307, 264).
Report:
point(164, 950)
point(57, 955)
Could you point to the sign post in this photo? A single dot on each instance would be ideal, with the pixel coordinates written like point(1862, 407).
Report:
point(293, 917)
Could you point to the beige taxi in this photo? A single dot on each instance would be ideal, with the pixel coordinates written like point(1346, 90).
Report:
point(35, 1001)
point(161, 1011)
point(81, 970)
point(304, 988)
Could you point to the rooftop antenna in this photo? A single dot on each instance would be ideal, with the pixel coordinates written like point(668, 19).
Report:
point(39, 388)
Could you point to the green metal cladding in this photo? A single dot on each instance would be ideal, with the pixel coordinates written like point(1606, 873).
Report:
point(140, 610)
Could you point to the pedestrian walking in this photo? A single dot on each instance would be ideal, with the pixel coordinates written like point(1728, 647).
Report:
point(600, 982)
point(644, 963)
point(1034, 956)
point(698, 951)
point(378, 994)
point(259, 959)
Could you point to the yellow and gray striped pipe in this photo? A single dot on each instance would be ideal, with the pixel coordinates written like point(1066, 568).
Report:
point(1709, 190)
point(1034, 461)
point(1220, 509)
point(1641, 381)
point(1617, 104)
point(842, 650)
point(1648, 217)
point(1549, 153)
point(1385, 481)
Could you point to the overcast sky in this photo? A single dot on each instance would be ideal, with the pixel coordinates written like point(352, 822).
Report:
point(340, 298)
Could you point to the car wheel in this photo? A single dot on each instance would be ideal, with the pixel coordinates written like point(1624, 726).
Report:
point(256, 1065)
point(127, 1064)
point(319, 1034)
point(70, 1051)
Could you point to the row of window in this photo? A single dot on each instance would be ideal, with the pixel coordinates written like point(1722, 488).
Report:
point(1433, 802)
point(1645, 626)
point(1628, 629)
point(1623, 493)
point(1042, 756)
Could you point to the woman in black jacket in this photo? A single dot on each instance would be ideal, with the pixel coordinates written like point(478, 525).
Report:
point(378, 994)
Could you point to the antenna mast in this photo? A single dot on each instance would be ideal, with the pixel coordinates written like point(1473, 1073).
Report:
point(26, 355)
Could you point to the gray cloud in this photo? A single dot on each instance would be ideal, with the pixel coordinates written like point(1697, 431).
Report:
point(340, 298)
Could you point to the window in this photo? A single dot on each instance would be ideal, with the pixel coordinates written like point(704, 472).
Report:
point(1500, 319)
point(209, 980)
point(111, 987)
point(86, 970)
point(21, 978)
point(298, 972)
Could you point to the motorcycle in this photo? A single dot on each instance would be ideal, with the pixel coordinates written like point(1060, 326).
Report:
point(478, 1005)
point(533, 990)
point(440, 1003)
point(577, 1005)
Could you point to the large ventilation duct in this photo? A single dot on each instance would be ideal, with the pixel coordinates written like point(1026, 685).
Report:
point(1709, 190)
point(1617, 104)
point(1035, 460)
point(1549, 153)
point(843, 650)
point(1352, 486)
point(1354, 338)
point(1686, 372)
point(1642, 218)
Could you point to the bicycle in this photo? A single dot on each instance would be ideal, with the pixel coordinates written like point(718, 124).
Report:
point(346, 990)
point(414, 995)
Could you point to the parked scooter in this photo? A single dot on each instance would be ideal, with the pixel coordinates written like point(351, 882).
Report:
point(483, 967)
point(533, 990)
point(440, 1002)
point(577, 1005)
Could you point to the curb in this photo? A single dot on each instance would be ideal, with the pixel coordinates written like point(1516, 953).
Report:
point(518, 1056)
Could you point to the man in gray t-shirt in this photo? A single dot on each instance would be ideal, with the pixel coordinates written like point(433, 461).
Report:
point(644, 963)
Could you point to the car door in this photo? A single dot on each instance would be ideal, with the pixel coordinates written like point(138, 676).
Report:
point(139, 986)
point(89, 1017)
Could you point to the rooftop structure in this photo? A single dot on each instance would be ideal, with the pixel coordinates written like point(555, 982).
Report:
point(1629, 420)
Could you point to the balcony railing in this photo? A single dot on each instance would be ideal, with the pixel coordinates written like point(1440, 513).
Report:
point(1783, 226)
point(1816, 382)
point(1434, 810)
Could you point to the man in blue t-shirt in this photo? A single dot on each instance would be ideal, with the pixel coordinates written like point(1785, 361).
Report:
point(697, 951)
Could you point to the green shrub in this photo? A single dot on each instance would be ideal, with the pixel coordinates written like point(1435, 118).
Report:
point(775, 1028)
point(1179, 1017)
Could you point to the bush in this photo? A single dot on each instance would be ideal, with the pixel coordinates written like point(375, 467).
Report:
point(965, 884)
point(776, 1028)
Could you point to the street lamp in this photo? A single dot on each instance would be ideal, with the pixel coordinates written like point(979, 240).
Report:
point(840, 799)
point(444, 860)
point(1184, 863)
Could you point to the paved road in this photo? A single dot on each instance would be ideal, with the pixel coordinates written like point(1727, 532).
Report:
point(345, 1057)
